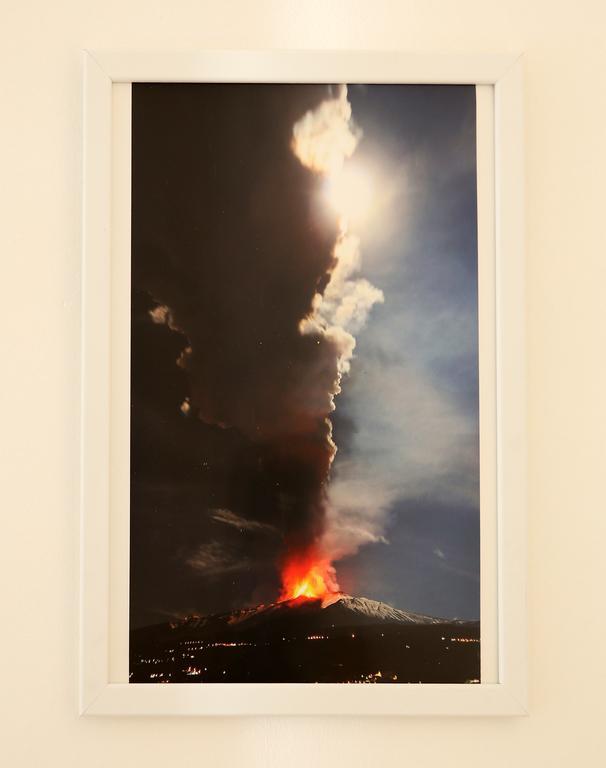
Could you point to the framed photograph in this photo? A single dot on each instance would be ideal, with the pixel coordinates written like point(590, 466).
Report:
point(303, 421)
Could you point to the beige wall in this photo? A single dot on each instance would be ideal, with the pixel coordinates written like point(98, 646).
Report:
point(40, 134)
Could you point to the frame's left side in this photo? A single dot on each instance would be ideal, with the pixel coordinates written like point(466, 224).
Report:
point(95, 389)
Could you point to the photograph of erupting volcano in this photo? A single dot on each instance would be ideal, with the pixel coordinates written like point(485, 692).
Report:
point(304, 500)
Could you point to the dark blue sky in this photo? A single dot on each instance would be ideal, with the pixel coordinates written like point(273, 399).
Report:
point(407, 419)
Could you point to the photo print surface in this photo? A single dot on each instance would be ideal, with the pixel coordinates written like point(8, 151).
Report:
point(304, 502)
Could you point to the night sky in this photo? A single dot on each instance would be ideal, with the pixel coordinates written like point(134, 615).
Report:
point(230, 241)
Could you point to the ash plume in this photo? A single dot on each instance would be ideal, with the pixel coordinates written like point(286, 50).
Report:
point(267, 299)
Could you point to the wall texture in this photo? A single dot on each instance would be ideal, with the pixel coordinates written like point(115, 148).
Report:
point(40, 132)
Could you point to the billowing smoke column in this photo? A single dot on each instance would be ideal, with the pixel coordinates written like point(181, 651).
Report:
point(323, 140)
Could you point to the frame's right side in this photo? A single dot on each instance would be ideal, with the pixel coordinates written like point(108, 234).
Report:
point(511, 383)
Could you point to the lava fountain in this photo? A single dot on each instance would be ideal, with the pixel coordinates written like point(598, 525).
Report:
point(305, 576)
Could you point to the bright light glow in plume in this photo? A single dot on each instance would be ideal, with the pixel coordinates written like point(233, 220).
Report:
point(350, 193)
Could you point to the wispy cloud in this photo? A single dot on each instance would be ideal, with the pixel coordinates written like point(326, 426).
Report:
point(411, 441)
point(464, 573)
point(213, 559)
point(228, 517)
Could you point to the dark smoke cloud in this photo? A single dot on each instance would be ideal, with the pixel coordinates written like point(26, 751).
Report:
point(230, 252)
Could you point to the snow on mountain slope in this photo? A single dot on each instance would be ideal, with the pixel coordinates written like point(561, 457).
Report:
point(378, 611)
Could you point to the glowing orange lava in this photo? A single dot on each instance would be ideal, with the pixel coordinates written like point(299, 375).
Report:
point(305, 576)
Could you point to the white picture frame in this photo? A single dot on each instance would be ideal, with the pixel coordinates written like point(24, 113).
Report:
point(98, 695)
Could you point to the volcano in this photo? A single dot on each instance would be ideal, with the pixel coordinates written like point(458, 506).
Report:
point(340, 638)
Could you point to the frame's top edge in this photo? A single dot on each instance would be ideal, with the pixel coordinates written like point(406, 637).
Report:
point(362, 66)
point(511, 55)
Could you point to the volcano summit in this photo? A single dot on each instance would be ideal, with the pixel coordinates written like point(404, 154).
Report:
point(338, 639)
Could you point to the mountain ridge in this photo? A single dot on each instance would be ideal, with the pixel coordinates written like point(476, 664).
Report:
point(334, 610)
